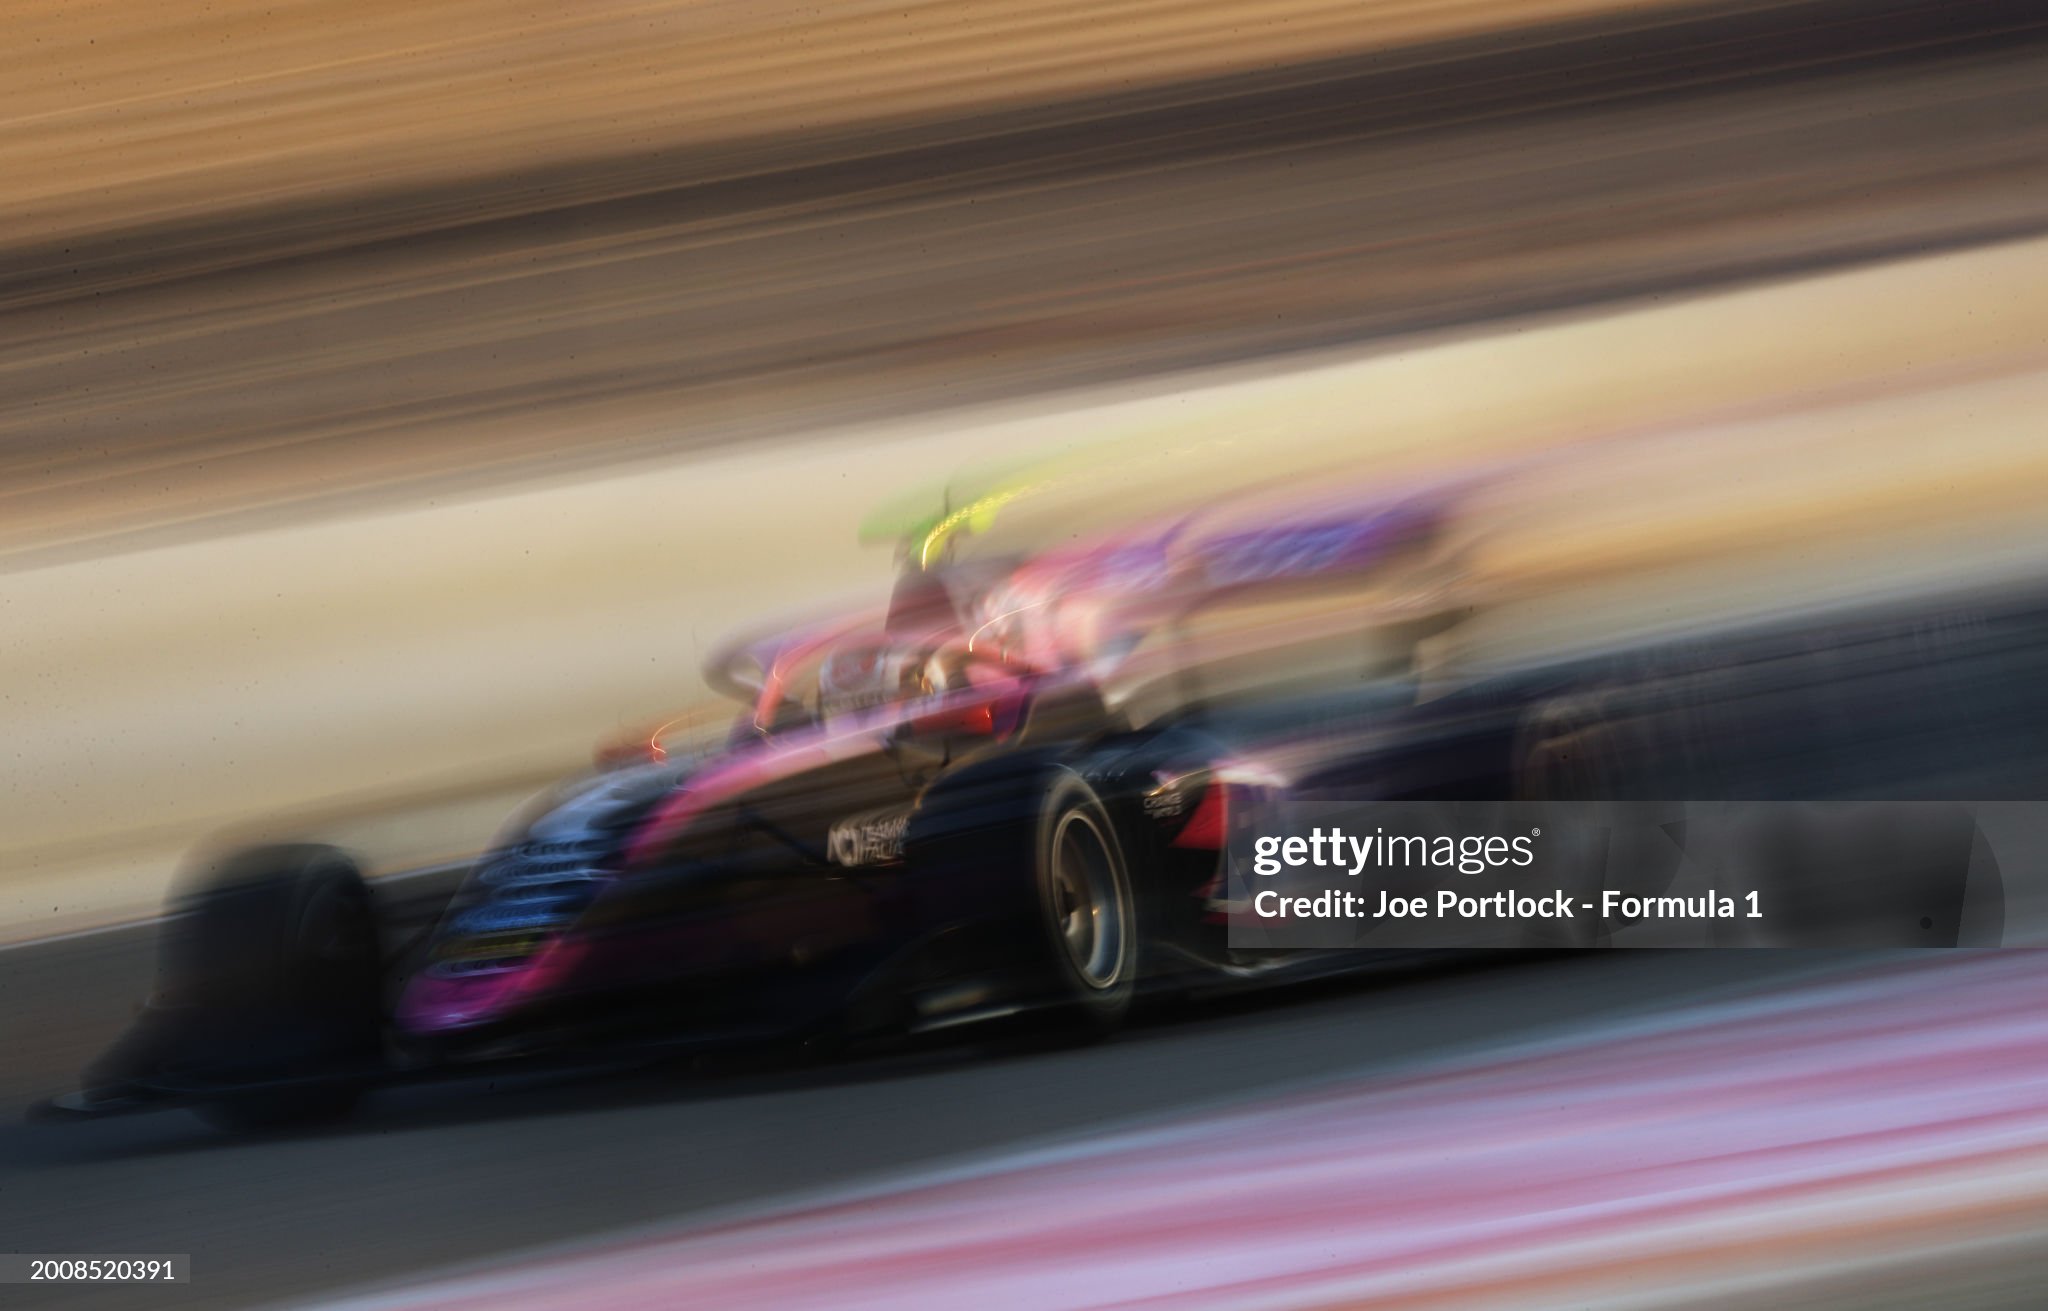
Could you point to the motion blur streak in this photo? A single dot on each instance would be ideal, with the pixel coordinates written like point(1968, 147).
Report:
point(116, 117)
point(418, 329)
point(1047, 428)
point(1833, 1146)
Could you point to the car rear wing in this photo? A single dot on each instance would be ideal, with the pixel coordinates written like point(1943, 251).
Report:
point(1098, 603)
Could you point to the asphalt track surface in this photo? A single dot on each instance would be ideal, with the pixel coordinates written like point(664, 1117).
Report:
point(443, 1173)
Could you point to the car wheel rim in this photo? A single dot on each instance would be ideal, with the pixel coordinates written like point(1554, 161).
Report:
point(1087, 905)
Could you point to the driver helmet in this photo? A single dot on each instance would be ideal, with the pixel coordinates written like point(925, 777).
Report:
point(858, 677)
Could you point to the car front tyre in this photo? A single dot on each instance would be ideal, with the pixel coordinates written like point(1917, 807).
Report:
point(274, 977)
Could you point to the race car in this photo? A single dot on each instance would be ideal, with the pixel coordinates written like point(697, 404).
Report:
point(923, 817)
point(976, 803)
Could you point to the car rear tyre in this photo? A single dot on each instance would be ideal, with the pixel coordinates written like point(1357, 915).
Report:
point(1593, 751)
point(1086, 904)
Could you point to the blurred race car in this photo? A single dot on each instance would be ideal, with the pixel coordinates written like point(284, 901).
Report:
point(1013, 791)
point(922, 818)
